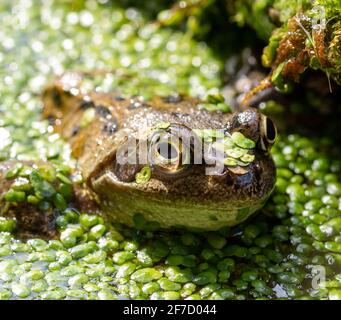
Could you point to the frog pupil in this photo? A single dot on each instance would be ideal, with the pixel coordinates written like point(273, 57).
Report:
point(167, 150)
point(270, 130)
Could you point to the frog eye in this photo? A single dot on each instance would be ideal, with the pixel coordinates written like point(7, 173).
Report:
point(268, 133)
point(168, 154)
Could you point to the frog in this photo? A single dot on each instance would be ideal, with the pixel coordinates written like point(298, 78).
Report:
point(193, 168)
point(169, 188)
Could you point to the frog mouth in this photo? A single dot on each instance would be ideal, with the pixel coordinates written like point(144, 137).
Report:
point(182, 202)
point(107, 178)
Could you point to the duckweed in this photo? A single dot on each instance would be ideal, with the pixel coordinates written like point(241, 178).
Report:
point(241, 141)
point(146, 275)
point(268, 257)
point(144, 175)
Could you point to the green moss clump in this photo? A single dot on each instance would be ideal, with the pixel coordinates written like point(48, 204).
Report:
point(300, 34)
point(271, 257)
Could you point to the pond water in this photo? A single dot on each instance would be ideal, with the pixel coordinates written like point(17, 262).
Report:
point(291, 249)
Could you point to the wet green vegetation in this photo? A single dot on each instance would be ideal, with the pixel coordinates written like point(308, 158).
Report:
point(283, 252)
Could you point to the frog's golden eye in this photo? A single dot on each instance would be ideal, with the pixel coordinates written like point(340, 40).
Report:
point(268, 133)
point(168, 154)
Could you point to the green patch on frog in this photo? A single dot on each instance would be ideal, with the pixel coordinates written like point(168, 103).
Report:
point(243, 214)
point(144, 175)
point(241, 141)
point(237, 149)
point(161, 125)
point(212, 217)
point(208, 135)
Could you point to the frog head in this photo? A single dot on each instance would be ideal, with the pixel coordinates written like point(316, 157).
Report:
point(191, 168)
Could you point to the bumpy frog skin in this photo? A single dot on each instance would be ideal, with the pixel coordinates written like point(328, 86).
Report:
point(97, 124)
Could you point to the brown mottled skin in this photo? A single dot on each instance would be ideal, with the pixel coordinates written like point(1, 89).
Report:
point(193, 199)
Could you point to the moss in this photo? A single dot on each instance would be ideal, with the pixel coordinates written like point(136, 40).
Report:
point(300, 34)
point(268, 257)
point(308, 39)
